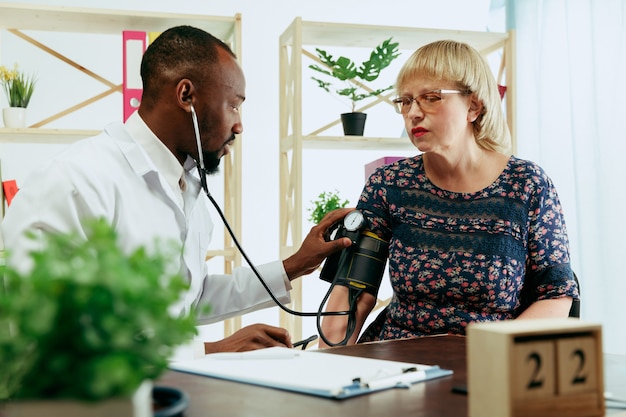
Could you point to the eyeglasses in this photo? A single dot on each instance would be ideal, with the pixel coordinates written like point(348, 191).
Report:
point(429, 101)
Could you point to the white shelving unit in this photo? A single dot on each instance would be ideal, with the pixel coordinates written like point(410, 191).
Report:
point(22, 20)
point(19, 19)
point(298, 41)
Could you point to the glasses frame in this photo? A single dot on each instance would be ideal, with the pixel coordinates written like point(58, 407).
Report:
point(399, 102)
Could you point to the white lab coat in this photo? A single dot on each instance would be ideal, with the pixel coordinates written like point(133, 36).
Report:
point(111, 176)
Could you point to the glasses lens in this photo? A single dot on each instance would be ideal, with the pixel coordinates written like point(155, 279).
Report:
point(397, 104)
point(402, 104)
point(429, 101)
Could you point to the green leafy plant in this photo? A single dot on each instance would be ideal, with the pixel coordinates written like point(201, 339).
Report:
point(17, 86)
point(325, 202)
point(345, 70)
point(88, 322)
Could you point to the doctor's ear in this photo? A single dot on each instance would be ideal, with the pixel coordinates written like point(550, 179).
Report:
point(185, 92)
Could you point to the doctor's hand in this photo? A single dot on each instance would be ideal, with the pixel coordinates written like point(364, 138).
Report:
point(315, 248)
point(255, 336)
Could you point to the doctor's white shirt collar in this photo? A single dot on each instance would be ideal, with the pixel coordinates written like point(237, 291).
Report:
point(161, 156)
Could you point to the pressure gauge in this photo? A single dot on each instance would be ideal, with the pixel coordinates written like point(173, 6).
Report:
point(354, 221)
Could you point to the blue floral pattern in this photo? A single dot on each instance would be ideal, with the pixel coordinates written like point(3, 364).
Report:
point(457, 258)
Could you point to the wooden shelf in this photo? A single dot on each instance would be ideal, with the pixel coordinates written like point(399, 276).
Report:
point(296, 43)
point(44, 136)
point(105, 21)
point(365, 36)
point(347, 142)
point(21, 20)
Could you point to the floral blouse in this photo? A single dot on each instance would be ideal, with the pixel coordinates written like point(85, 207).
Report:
point(457, 258)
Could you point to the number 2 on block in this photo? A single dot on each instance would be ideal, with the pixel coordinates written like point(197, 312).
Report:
point(534, 370)
point(577, 365)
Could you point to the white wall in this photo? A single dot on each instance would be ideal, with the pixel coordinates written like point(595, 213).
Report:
point(262, 23)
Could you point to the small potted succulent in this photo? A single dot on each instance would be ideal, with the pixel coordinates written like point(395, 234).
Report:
point(352, 79)
point(88, 328)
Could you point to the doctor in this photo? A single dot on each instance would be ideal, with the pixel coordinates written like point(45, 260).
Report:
point(142, 177)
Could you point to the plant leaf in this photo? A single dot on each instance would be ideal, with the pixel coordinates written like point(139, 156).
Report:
point(344, 69)
point(322, 84)
point(380, 58)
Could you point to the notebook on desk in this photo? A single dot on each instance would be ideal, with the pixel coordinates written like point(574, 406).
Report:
point(311, 372)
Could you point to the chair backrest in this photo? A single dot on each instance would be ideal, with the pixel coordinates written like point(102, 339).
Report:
point(574, 310)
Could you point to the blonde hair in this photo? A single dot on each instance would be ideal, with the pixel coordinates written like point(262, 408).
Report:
point(461, 64)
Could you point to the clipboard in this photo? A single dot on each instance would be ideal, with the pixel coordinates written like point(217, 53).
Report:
point(310, 372)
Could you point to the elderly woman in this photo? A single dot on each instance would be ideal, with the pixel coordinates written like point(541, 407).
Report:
point(475, 234)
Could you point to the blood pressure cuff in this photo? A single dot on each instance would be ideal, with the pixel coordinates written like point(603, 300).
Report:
point(362, 265)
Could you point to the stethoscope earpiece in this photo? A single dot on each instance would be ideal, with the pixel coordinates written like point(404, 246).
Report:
point(200, 161)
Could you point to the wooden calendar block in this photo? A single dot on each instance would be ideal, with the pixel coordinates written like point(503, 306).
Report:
point(539, 368)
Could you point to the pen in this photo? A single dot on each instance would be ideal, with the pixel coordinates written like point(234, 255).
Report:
point(403, 379)
point(459, 389)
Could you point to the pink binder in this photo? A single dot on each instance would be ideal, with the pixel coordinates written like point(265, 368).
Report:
point(134, 47)
point(385, 160)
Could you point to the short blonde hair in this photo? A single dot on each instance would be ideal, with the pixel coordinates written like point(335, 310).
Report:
point(459, 63)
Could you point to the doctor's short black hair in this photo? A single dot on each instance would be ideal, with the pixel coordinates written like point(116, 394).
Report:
point(179, 52)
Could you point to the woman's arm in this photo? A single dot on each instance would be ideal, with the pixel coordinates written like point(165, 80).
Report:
point(334, 327)
point(553, 308)
point(552, 283)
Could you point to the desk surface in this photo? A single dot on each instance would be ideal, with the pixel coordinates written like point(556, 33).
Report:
point(209, 396)
point(215, 397)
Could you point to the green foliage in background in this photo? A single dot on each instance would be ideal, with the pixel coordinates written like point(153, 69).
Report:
point(345, 70)
point(325, 202)
point(88, 322)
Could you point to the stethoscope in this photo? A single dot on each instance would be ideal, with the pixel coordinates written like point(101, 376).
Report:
point(351, 313)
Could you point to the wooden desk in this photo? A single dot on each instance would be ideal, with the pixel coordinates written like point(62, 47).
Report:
point(215, 397)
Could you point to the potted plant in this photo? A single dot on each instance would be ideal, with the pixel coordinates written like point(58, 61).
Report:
point(18, 88)
point(345, 70)
point(326, 202)
point(88, 328)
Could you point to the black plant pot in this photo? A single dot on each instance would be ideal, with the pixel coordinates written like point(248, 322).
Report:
point(353, 123)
